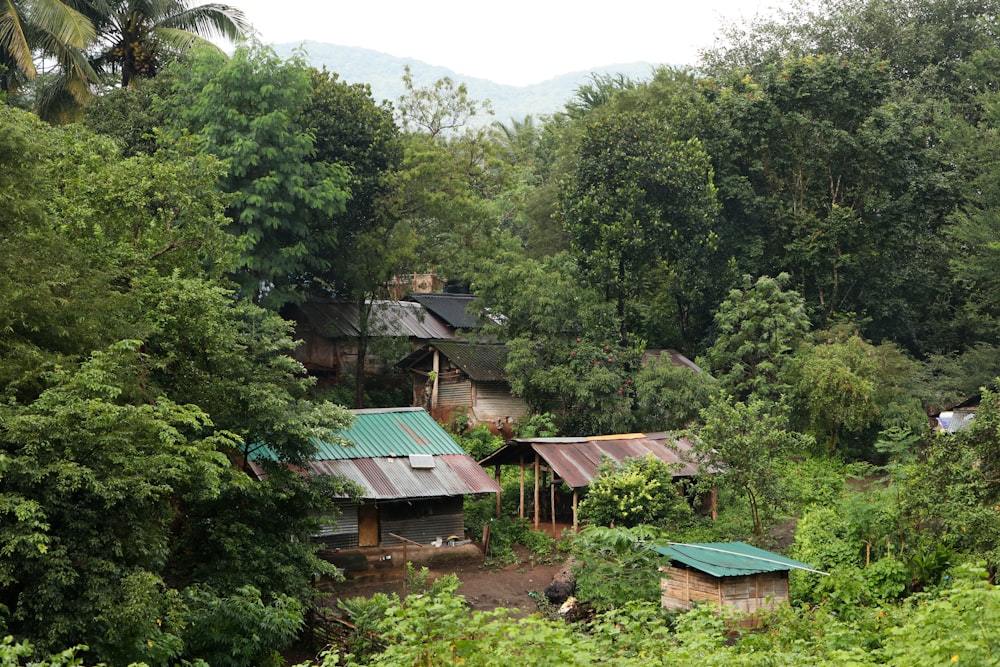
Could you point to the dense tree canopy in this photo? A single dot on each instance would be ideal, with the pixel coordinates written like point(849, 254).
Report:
point(812, 215)
point(135, 387)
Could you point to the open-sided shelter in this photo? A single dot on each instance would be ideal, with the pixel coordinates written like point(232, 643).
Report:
point(727, 573)
point(414, 476)
point(575, 461)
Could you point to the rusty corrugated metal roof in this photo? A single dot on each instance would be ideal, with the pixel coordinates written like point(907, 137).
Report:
point(394, 478)
point(379, 460)
point(576, 460)
point(407, 319)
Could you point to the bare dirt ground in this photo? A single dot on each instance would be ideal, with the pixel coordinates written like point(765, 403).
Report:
point(484, 588)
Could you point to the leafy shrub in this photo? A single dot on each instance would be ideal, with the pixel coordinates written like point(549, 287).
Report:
point(479, 442)
point(954, 625)
point(505, 533)
point(616, 567)
point(541, 425)
point(241, 629)
point(482, 510)
point(635, 492)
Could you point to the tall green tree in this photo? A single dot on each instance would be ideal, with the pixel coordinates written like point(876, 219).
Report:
point(352, 130)
point(758, 328)
point(89, 476)
point(135, 386)
point(565, 355)
point(637, 195)
point(844, 385)
point(448, 186)
point(247, 111)
point(832, 172)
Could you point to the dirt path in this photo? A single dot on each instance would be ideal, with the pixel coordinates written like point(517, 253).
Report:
point(484, 588)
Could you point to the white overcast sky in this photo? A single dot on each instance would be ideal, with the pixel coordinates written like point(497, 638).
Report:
point(517, 42)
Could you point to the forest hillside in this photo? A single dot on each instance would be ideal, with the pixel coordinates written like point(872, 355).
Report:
point(811, 216)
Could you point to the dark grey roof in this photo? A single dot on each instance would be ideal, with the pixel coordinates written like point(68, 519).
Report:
point(676, 358)
point(407, 319)
point(483, 362)
point(452, 308)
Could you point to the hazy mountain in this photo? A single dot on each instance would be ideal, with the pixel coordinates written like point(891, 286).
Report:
point(385, 75)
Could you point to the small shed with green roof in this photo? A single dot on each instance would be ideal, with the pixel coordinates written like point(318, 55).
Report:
point(729, 573)
point(414, 475)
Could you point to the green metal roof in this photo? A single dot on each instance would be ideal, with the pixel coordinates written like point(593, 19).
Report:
point(386, 432)
point(728, 559)
point(391, 432)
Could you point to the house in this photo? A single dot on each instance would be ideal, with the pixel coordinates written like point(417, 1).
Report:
point(726, 573)
point(414, 476)
point(575, 461)
point(453, 378)
point(329, 331)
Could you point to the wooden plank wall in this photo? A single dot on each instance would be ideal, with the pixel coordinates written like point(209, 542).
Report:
point(681, 586)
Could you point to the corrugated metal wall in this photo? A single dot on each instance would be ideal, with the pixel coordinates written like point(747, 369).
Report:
point(455, 393)
point(344, 533)
point(493, 401)
point(421, 521)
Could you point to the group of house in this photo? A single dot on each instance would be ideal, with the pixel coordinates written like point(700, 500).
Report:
point(415, 477)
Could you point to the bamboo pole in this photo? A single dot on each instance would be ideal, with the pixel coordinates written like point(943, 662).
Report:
point(437, 373)
point(552, 499)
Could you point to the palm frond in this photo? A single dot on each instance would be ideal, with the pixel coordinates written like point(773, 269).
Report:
point(60, 20)
point(13, 40)
point(210, 20)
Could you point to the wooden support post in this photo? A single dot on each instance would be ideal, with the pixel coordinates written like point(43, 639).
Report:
point(498, 492)
point(520, 511)
point(437, 371)
point(552, 499)
point(715, 503)
point(576, 500)
point(538, 481)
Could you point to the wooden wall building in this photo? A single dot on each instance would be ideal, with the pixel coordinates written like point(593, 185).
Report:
point(452, 378)
point(733, 574)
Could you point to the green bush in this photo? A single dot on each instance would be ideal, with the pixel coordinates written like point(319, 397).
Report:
point(635, 492)
point(616, 566)
point(506, 533)
point(479, 442)
point(240, 629)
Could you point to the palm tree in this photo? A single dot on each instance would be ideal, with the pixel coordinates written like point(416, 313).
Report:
point(31, 27)
point(135, 37)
